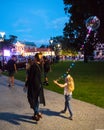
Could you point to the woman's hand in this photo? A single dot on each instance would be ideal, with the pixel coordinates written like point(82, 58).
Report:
point(55, 81)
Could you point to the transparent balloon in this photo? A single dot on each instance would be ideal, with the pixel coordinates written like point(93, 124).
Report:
point(92, 23)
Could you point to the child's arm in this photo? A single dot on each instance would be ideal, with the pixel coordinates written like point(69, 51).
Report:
point(60, 85)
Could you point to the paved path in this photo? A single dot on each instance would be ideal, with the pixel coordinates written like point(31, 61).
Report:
point(15, 113)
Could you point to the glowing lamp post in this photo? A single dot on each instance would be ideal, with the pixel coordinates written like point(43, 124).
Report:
point(1, 40)
point(51, 41)
point(2, 36)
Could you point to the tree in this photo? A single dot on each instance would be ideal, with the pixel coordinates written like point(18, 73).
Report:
point(42, 46)
point(7, 44)
point(75, 30)
point(57, 44)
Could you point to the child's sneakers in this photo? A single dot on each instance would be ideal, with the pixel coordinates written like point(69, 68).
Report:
point(70, 118)
point(63, 111)
point(9, 85)
point(45, 83)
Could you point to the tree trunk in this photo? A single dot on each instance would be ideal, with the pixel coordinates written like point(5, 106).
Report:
point(85, 58)
point(85, 54)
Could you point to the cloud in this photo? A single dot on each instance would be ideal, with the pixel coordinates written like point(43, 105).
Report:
point(24, 30)
point(39, 23)
point(21, 22)
point(59, 22)
point(48, 22)
point(40, 13)
point(42, 41)
point(22, 25)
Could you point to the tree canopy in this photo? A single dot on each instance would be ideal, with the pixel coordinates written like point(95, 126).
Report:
point(75, 30)
point(80, 11)
point(8, 43)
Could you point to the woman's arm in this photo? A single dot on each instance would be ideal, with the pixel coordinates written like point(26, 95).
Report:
point(58, 84)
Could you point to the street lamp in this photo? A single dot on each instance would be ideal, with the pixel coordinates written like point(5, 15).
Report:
point(51, 41)
point(58, 46)
point(2, 40)
point(2, 36)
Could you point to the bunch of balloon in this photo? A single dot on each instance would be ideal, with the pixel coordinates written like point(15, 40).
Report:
point(92, 24)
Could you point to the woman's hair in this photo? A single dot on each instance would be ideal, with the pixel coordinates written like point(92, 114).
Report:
point(68, 78)
point(30, 61)
point(70, 82)
point(37, 57)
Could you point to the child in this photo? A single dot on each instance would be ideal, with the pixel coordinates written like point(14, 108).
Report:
point(68, 89)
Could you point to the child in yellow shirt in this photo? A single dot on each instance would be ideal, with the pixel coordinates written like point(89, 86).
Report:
point(68, 89)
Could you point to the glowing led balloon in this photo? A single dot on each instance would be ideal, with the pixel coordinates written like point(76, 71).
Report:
point(92, 23)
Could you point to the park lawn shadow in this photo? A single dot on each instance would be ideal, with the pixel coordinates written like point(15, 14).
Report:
point(49, 112)
point(15, 118)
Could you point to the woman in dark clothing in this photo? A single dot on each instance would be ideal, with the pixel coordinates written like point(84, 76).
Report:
point(35, 89)
point(0, 68)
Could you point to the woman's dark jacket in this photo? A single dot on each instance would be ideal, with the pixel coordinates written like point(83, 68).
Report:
point(35, 88)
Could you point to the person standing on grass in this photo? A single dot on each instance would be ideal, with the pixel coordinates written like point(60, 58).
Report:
point(68, 89)
point(46, 69)
point(35, 92)
point(11, 67)
point(0, 68)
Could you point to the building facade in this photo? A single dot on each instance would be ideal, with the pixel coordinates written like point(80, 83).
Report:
point(30, 50)
point(99, 51)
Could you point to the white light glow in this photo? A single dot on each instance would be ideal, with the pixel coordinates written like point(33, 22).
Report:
point(6, 52)
point(2, 34)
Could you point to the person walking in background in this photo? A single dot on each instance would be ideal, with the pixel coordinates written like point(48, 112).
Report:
point(0, 68)
point(35, 92)
point(28, 65)
point(68, 89)
point(11, 67)
point(46, 69)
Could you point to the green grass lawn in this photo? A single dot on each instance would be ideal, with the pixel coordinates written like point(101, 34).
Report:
point(88, 77)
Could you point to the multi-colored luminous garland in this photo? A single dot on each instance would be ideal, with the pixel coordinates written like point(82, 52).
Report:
point(92, 24)
point(67, 72)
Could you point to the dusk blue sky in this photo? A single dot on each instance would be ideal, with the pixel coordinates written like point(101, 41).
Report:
point(32, 20)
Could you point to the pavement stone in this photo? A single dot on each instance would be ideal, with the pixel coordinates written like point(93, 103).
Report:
point(15, 112)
